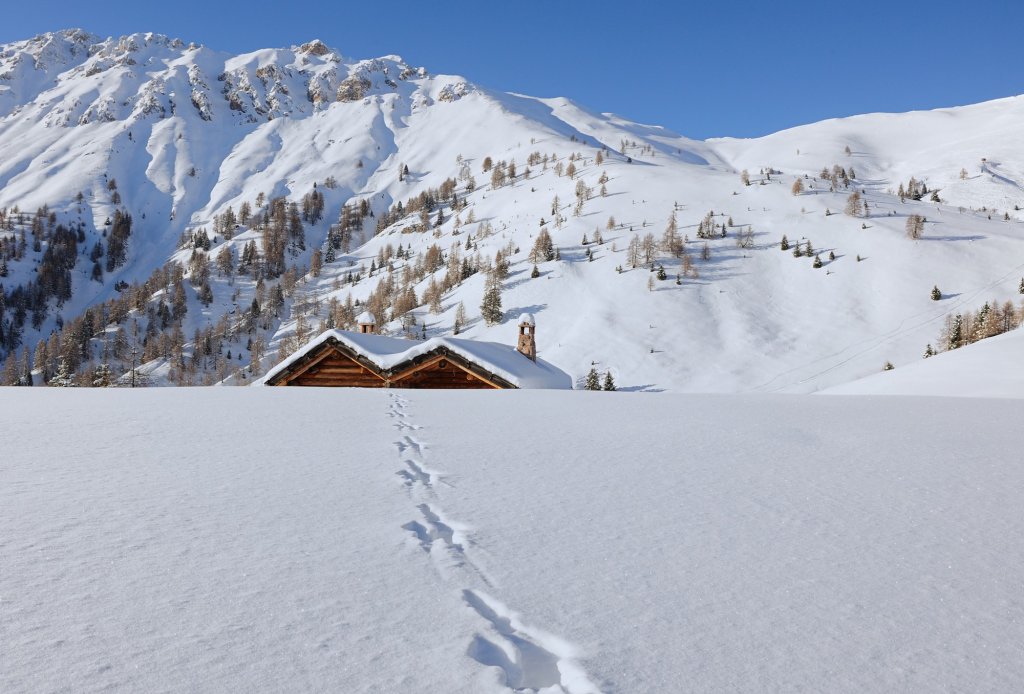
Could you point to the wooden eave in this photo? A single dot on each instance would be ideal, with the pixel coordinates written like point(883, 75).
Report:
point(312, 358)
point(406, 368)
point(423, 361)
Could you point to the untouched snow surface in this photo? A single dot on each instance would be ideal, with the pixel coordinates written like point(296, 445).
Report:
point(358, 541)
point(987, 369)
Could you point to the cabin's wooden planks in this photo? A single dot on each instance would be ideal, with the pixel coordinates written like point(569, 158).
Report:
point(331, 368)
point(440, 372)
point(335, 365)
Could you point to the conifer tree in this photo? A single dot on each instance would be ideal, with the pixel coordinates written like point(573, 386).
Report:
point(936, 294)
point(817, 261)
point(928, 351)
point(853, 206)
point(460, 319)
point(915, 226)
point(9, 377)
point(63, 378)
point(785, 243)
point(609, 382)
point(593, 380)
point(955, 339)
point(316, 263)
point(26, 368)
point(490, 307)
point(543, 248)
point(670, 241)
point(101, 376)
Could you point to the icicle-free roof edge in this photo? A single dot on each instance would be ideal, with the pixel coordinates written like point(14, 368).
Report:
point(390, 354)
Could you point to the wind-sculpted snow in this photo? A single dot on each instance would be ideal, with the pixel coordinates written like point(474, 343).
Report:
point(488, 542)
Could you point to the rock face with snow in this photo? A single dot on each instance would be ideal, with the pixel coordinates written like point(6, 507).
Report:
point(175, 136)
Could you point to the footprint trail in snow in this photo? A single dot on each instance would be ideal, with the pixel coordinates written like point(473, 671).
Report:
point(529, 659)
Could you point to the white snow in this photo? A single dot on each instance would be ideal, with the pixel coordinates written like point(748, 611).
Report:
point(990, 368)
point(366, 541)
point(527, 319)
point(366, 318)
point(756, 319)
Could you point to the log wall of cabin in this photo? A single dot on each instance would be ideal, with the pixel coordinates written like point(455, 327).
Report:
point(337, 370)
point(440, 375)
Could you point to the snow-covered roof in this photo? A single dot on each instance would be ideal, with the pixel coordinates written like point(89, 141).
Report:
point(366, 318)
point(527, 319)
point(390, 353)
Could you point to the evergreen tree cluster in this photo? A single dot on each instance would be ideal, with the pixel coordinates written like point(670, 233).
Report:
point(990, 320)
point(117, 242)
point(837, 176)
point(56, 249)
point(594, 382)
point(425, 203)
point(543, 248)
point(915, 190)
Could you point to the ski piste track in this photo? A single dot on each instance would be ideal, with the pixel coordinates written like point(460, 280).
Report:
point(530, 659)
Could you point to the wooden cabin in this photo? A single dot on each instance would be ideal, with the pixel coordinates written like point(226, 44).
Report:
point(363, 359)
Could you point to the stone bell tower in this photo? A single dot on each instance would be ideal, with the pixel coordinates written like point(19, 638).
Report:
point(527, 336)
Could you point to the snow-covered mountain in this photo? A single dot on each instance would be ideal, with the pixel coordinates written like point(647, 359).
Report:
point(177, 135)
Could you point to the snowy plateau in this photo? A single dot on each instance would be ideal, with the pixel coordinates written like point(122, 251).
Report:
point(759, 508)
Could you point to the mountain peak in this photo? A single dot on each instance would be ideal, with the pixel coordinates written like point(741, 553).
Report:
point(315, 47)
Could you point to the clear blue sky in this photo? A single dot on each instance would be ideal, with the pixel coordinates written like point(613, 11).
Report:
point(703, 69)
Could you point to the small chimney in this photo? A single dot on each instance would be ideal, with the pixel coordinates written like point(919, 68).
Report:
point(366, 322)
point(527, 336)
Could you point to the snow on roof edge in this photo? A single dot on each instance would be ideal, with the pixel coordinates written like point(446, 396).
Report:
point(387, 353)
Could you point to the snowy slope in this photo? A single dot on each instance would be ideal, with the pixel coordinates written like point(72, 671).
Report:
point(982, 139)
point(366, 541)
point(188, 132)
point(986, 369)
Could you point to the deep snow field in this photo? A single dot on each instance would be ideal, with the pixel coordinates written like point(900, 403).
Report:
point(211, 540)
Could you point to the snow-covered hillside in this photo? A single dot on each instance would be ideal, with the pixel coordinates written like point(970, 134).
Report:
point(188, 134)
point(370, 541)
point(987, 369)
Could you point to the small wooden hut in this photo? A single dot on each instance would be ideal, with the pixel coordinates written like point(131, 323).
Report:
point(363, 359)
